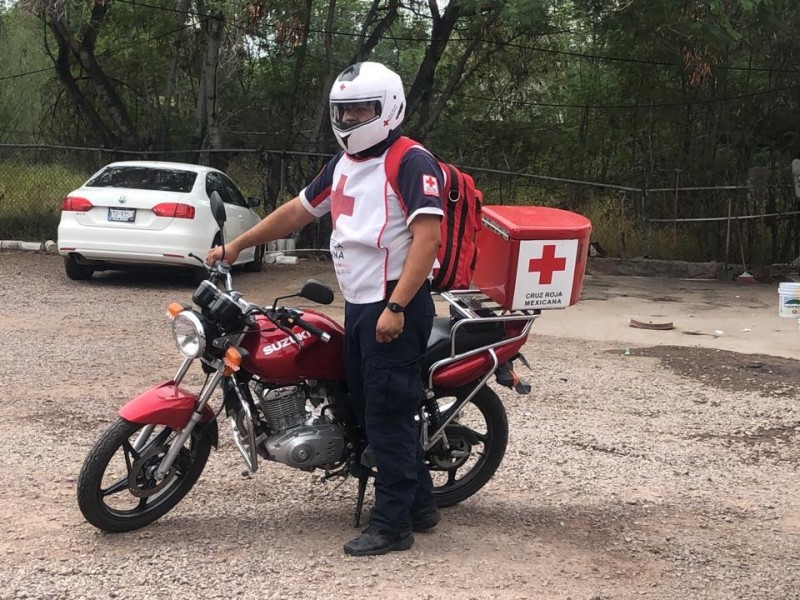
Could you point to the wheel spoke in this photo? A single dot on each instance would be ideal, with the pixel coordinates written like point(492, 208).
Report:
point(451, 477)
point(131, 456)
point(159, 439)
point(114, 488)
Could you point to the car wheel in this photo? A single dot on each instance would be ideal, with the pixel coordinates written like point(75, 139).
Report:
point(75, 271)
point(258, 260)
point(197, 275)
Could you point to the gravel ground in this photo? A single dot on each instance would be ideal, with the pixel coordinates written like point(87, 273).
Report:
point(639, 474)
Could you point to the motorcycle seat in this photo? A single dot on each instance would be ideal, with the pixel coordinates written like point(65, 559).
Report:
point(468, 337)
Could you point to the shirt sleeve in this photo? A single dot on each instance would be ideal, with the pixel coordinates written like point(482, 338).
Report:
point(316, 196)
point(421, 183)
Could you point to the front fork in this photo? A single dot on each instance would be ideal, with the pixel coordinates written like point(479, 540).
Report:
point(205, 395)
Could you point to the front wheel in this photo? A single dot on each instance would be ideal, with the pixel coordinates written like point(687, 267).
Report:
point(476, 443)
point(117, 490)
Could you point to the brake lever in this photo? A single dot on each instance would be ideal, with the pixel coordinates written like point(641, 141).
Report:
point(276, 319)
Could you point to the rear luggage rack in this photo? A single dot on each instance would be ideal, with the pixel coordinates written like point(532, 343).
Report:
point(473, 310)
point(470, 309)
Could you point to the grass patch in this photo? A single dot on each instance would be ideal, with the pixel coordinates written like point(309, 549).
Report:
point(30, 198)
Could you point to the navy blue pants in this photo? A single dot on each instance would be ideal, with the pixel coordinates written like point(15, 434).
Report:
point(385, 386)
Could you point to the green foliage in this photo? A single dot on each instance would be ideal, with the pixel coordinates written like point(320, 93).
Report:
point(23, 71)
point(30, 198)
point(617, 92)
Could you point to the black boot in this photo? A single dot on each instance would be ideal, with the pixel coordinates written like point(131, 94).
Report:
point(426, 518)
point(373, 541)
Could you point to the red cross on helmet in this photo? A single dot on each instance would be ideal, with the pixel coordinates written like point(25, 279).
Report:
point(367, 103)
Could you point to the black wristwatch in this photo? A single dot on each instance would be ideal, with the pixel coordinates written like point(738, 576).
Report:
point(395, 307)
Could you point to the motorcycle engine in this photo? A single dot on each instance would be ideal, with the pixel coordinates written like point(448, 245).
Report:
point(298, 436)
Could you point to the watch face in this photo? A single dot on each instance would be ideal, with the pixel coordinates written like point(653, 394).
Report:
point(395, 307)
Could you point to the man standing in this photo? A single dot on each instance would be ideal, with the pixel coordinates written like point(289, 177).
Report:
point(383, 246)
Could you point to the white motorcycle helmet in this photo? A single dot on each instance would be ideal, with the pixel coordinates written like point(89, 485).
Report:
point(367, 103)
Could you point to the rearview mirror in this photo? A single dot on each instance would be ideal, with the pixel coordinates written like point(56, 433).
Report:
point(316, 291)
point(218, 209)
point(253, 202)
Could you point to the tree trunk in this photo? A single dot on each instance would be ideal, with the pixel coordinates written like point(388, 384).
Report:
point(208, 119)
point(322, 112)
point(61, 63)
point(163, 135)
point(459, 74)
point(366, 44)
point(125, 135)
point(299, 65)
point(419, 97)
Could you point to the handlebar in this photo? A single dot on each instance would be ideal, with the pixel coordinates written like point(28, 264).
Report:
point(218, 271)
point(222, 270)
point(312, 329)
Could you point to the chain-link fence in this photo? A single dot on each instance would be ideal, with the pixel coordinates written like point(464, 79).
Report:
point(35, 179)
point(661, 217)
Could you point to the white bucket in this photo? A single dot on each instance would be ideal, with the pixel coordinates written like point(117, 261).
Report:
point(789, 299)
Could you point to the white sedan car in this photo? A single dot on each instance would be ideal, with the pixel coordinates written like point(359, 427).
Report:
point(150, 213)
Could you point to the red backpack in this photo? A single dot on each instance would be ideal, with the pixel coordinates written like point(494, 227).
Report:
point(461, 203)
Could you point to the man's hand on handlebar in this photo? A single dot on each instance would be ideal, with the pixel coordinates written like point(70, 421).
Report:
point(216, 254)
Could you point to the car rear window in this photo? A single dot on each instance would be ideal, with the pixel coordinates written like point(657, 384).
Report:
point(145, 178)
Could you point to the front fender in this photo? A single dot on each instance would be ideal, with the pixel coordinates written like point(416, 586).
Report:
point(167, 404)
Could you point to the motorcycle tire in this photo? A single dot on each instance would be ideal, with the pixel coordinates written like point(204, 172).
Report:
point(152, 499)
point(493, 439)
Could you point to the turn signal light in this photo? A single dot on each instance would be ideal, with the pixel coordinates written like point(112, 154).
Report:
point(232, 360)
point(76, 204)
point(175, 210)
point(174, 309)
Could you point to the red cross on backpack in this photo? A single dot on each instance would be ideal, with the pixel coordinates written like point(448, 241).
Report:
point(461, 203)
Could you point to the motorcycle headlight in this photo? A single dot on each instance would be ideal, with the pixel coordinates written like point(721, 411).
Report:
point(189, 334)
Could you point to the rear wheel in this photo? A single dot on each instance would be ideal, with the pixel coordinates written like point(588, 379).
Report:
point(255, 265)
point(476, 443)
point(75, 271)
point(117, 489)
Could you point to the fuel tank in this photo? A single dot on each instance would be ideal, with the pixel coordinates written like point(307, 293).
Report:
point(274, 357)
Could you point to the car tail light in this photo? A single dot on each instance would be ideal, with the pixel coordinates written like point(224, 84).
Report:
point(175, 210)
point(76, 204)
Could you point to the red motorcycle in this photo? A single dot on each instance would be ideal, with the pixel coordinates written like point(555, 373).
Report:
point(284, 393)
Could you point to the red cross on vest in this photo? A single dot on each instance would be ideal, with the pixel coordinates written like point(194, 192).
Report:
point(547, 265)
point(430, 181)
point(341, 204)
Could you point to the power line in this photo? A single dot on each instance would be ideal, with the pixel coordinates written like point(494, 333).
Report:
point(639, 106)
point(488, 41)
point(102, 54)
point(456, 94)
point(600, 106)
point(17, 75)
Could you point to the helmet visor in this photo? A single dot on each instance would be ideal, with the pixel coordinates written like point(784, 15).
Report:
point(350, 114)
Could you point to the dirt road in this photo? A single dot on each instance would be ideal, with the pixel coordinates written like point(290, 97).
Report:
point(645, 464)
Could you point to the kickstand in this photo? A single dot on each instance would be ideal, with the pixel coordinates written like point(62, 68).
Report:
point(362, 490)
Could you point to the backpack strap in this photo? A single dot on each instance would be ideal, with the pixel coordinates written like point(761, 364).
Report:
point(394, 156)
point(455, 217)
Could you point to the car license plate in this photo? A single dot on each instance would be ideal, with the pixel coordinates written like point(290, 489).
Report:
point(122, 215)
